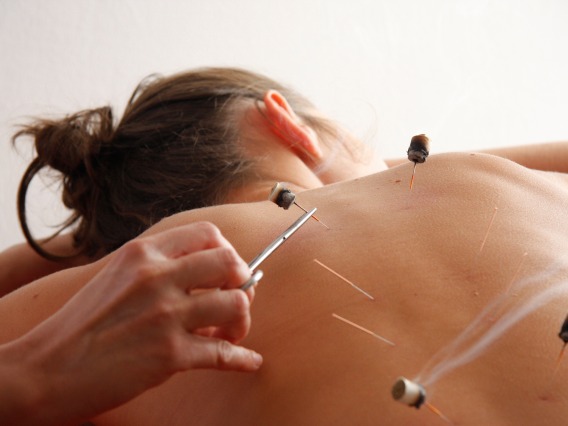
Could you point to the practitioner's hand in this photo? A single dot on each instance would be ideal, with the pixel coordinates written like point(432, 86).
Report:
point(139, 321)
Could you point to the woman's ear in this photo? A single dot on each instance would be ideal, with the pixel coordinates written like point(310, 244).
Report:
point(289, 128)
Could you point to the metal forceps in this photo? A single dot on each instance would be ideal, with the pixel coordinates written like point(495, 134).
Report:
point(255, 263)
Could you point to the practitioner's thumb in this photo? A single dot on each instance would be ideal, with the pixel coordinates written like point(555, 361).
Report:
point(223, 355)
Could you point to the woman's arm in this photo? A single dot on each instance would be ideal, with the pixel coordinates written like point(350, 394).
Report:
point(552, 156)
point(20, 264)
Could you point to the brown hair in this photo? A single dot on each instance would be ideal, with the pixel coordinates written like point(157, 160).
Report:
point(174, 149)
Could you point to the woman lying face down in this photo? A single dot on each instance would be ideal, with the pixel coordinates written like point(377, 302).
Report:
point(433, 259)
point(475, 230)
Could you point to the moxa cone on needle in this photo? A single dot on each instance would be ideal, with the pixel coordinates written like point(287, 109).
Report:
point(417, 152)
point(283, 197)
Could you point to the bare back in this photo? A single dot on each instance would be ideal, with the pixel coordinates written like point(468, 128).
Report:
point(475, 231)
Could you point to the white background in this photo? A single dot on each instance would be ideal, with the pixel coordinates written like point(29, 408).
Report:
point(471, 74)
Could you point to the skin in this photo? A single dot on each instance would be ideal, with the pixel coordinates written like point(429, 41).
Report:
point(429, 284)
point(427, 255)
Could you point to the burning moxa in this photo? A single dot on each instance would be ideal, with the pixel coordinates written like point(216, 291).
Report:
point(408, 392)
point(564, 337)
point(418, 151)
point(414, 395)
point(564, 331)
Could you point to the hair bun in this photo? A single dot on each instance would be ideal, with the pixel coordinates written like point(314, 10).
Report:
point(67, 144)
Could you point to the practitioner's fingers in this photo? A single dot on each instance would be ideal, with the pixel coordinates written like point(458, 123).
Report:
point(217, 267)
point(191, 256)
point(188, 239)
point(219, 354)
point(225, 314)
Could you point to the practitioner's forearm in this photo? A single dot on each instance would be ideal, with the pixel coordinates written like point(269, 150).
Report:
point(31, 394)
point(22, 398)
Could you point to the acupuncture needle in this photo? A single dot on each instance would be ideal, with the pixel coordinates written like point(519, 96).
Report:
point(263, 255)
